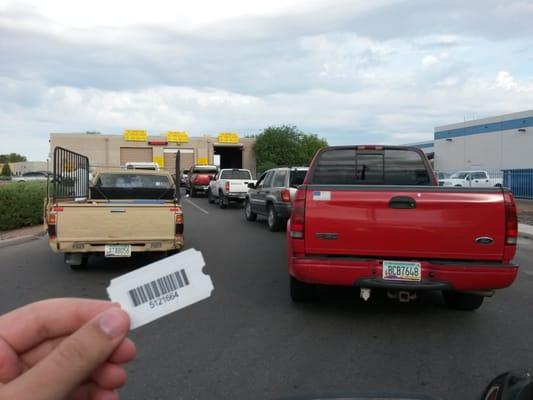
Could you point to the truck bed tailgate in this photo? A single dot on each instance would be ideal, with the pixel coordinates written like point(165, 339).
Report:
point(413, 223)
point(115, 222)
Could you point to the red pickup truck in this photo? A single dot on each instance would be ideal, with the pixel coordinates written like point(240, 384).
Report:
point(199, 178)
point(374, 217)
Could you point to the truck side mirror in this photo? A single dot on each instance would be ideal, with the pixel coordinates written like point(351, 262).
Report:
point(251, 185)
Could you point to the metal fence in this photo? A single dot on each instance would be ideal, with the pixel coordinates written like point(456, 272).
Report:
point(518, 181)
point(70, 179)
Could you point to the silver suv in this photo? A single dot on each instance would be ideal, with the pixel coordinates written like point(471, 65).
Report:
point(273, 194)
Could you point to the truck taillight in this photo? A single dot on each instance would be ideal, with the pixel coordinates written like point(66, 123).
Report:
point(297, 224)
point(286, 195)
point(226, 186)
point(511, 221)
point(52, 219)
point(51, 223)
point(178, 221)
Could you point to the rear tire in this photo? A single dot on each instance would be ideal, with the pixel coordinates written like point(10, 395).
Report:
point(275, 223)
point(193, 192)
point(462, 301)
point(210, 196)
point(248, 213)
point(223, 201)
point(300, 291)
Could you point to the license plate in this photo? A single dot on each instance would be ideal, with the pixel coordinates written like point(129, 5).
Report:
point(402, 271)
point(117, 250)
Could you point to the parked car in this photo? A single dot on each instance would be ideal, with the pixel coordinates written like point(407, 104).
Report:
point(373, 217)
point(31, 176)
point(273, 194)
point(470, 179)
point(229, 185)
point(143, 165)
point(199, 177)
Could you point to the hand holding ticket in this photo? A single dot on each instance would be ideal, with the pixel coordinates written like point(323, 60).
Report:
point(162, 287)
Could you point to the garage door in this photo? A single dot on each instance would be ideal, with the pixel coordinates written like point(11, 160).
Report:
point(186, 159)
point(135, 154)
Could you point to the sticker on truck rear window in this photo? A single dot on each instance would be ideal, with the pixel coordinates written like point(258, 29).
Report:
point(321, 195)
point(161, 288)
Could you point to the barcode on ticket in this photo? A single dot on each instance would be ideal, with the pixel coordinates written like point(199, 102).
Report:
point(159, 287)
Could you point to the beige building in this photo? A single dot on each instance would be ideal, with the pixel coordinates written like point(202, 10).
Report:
point(226, 150)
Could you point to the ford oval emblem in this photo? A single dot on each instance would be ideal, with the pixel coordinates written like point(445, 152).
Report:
point(484, 240)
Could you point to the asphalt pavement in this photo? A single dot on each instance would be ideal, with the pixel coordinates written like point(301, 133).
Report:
point(248, 341)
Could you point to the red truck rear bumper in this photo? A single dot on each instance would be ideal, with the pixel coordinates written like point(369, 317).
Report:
point(435, 275)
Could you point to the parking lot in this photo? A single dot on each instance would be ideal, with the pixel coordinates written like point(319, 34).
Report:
point(249, 341)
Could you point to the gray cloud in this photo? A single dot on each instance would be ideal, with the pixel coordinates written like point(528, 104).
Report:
point(353, 71)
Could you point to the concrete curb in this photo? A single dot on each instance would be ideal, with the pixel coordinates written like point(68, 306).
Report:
point(525, 230)
point(18, 240)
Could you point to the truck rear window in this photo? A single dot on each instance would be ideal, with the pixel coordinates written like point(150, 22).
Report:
point(235, 174)
point(115, 186)
point(370, 167)
point(205, 170)
point(131, 181)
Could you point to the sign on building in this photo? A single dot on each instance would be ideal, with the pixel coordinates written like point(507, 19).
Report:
point(135, 135)
point(228, 137)
point(177, 137)
point(159, 160)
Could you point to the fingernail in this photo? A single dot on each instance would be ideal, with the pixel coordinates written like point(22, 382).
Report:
point(109, 395)
point(114, 322)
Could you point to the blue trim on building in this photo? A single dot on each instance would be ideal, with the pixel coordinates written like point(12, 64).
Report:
point(485, 128)
point(423, 145)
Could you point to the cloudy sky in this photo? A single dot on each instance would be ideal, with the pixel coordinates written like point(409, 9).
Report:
point(381, 71)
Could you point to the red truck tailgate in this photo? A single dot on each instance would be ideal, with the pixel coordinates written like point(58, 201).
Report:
point(202, 179)
point(442, 224)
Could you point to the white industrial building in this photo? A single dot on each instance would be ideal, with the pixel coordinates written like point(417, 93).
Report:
point(495, 143)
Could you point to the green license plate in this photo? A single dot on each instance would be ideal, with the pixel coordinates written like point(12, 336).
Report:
point(117, 250)
point(402, 271)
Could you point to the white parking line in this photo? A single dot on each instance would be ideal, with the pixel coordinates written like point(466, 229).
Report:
point(197, 206)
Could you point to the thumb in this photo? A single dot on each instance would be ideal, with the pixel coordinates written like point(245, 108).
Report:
point(74, 359)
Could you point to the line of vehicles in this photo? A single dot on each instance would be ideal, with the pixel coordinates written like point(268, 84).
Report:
point(374, 217)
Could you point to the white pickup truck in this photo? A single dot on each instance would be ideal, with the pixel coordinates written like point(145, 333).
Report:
point(229, 185)
point(471, 179)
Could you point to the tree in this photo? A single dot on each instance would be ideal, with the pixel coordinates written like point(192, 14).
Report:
point(285, 145)
point(12, 157)
point(6, 170)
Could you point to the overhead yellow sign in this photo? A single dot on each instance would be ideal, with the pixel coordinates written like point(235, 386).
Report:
point(177, 137)
point(159, 160)
point(228, 137)
point(202, 161)
point(135, 135)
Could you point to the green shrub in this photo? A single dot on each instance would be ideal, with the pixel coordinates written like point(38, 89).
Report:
point(21, 204)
